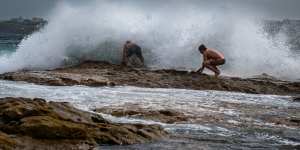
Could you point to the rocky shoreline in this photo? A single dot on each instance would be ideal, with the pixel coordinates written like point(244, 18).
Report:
point(92, 73)
point(40, 124)
point(37, 124)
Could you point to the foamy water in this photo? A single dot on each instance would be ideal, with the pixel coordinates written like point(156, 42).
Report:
point(240, 129)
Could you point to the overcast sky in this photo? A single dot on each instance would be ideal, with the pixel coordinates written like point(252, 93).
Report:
point(272, 8)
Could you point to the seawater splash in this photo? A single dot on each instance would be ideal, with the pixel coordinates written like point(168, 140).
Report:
point(169, 31)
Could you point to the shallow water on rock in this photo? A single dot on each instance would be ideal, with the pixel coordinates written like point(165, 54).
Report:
point(217, 120)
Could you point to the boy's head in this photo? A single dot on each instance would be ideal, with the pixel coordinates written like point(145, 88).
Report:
point(127, 44)
point(202, 48)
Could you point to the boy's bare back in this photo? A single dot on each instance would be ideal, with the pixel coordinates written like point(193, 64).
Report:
point(213, 54)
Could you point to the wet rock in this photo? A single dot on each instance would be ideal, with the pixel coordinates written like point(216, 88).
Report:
point(165, 116)
point(91, 82)
point(45, 127)
point(92, 73)
point(291, 122)
point(38, 121)
point(295, 120)
point(98, 119)
point(296, 99)
point(265, 76)
point(6, 142)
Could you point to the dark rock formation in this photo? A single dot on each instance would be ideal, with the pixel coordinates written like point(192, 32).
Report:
point(296, 98)
point(6, 142)
point(37, 124)
point(134, 111)
point(14, 30)
point(105, 74)
point(21, 26)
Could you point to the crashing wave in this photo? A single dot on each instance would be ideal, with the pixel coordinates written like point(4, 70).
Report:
point(170, 35)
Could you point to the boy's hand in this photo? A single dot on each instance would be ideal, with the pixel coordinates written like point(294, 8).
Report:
point(199, 71)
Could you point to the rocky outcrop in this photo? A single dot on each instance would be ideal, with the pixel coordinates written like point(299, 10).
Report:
point(21, 26)
point(135, 111)
point(36, 124)
point(296, 98)
point(105, 74)
point(6, 142)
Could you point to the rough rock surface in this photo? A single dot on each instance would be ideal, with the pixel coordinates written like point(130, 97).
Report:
point(37, 124)
point(105, 74)
point(296, 98)
point(280, 116)
point(136, 111)
point(6, 142)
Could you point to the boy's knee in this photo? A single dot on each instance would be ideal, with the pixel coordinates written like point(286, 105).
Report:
point(206, 64)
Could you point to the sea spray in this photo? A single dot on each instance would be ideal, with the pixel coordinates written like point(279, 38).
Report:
point(169, 32)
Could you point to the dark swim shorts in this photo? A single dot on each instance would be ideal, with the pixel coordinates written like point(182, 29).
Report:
point(217, 62)
point(134, 50)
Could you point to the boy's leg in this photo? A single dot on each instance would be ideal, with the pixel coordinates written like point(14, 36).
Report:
point(212, 65)
point(218, 71)
point(213, 68)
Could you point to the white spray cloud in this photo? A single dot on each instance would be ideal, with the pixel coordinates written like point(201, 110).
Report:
point(171, 32)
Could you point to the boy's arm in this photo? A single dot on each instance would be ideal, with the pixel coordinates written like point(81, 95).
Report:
point(202, 67)
point(140, 55)
point(142, 58)
point(124, 59)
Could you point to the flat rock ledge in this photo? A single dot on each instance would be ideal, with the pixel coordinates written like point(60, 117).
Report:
point(296, 98)
point(37, 124)
point(169, 116)
point(92, 73)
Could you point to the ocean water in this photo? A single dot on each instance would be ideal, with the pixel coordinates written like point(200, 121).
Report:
point(8, 43)
point(243, 122)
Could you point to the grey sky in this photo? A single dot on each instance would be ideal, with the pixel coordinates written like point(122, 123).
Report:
point(271, 8)
point(26, 8)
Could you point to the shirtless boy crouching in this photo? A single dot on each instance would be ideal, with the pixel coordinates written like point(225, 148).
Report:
point(132, 55)
point(211, 59)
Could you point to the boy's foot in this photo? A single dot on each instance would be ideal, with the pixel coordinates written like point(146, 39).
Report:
point(217, 74)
